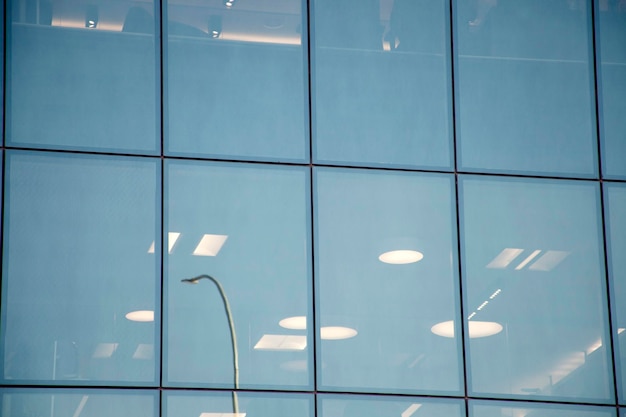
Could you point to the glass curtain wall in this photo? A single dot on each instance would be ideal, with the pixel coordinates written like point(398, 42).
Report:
point(313, 208)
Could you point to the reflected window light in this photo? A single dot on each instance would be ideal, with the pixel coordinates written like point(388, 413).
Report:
point(620, 330)
point(476, 329)
point(549, 260)
point(141, 315)
point(504, 258)
point(81, 405)
point(410, 410)
point(210, 245)
point(337, 333)
point(595, 346)
point(293, 323)
point(144, 351)
point(104, 350)
point(527, 260)
point(294, 366)
point(281, 342)
point(172, 238)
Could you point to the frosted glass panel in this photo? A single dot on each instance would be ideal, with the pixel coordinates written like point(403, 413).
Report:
point(236, 79)
point(247, 226)
point(611, 59)
point(82, 75)
point(524, 84)
point(381, 83)
point(387, 282)
point(363, 406)
point(78, 233)
point(514, 409)
point(535, 294)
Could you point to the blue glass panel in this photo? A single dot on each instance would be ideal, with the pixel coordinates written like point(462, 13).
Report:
point(516, 409)
point(18, 402)
point(248, 227)
point(524, 85)
point(237, 80)
point(611, 59)
point(535, 293)
point(78, 233)
point(82, 75)
point(223, 404)
point(387, 282)
point(381, 83)
point(362, 406)
point(615, 207)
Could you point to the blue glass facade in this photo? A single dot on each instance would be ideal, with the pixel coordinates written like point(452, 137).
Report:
point(313, 208)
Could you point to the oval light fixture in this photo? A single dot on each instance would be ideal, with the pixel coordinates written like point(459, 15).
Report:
point(476, 329)
point(293, 323)
point(399, 257)
point(141, 315)
point(337, 333)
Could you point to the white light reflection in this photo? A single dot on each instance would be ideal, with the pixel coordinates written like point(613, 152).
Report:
point(399, 257)
point(281, 342)
point(504, 258)
point(476, 329)
point(210, 245)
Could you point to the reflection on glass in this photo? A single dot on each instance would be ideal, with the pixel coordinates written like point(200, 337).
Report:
point(252, 224)
point(525, 101)
point(78, 403)
point(611, 59)
point(77, 230)
point(82, 75)
point(390, 307)
point(615, 208)
point(381, 82)
point(362, 406)
point(515, 409)
point(236, 79)
point(218, 404)
point(533, 263)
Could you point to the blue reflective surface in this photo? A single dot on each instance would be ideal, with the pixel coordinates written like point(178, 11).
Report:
point(82, 76)
point(387, 308)
point(615, 218)
point(367, 406)
point(236, 81)
point(524, 86)
point(190, 404)
point(20, 402)
point(76, 247)
point(503, 408)
point(611, 60)
point(248, 227)
point(535, 295)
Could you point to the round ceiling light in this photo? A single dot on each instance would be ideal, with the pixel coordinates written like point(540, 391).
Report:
point(399, 257)
point(337, 333)
point(141, 315)
point(476, 329)
point(294, 323)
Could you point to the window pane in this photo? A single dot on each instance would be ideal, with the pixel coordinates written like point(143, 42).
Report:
point(83, 403)
point(515, 409)
point(525, 99)
point(77, 235)
point(378, 302)
point(82, 75)
point(535, 295)
point(615, 206)
point(248, 227)
point(362, 406)
point(237, 79)
point(381, 82)
point(223, 404)
point(611, 58)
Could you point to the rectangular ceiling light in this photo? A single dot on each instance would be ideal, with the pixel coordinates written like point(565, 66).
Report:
point(172, 237)
point(281, 342)
point(504, 258)
point(144, 351)
point(410, 410)
point(528, 259)
point(104, 350)
point(223, 415)
point(549, 260)
point(210, 245)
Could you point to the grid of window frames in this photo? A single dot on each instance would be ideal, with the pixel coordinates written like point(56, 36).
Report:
point(322, 208)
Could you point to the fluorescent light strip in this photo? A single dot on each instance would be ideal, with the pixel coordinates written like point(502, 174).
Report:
point(210, 245)
point(480, 307)
point(504, 258)
point(410, 410)
point(528, 259)
point(495, 294)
